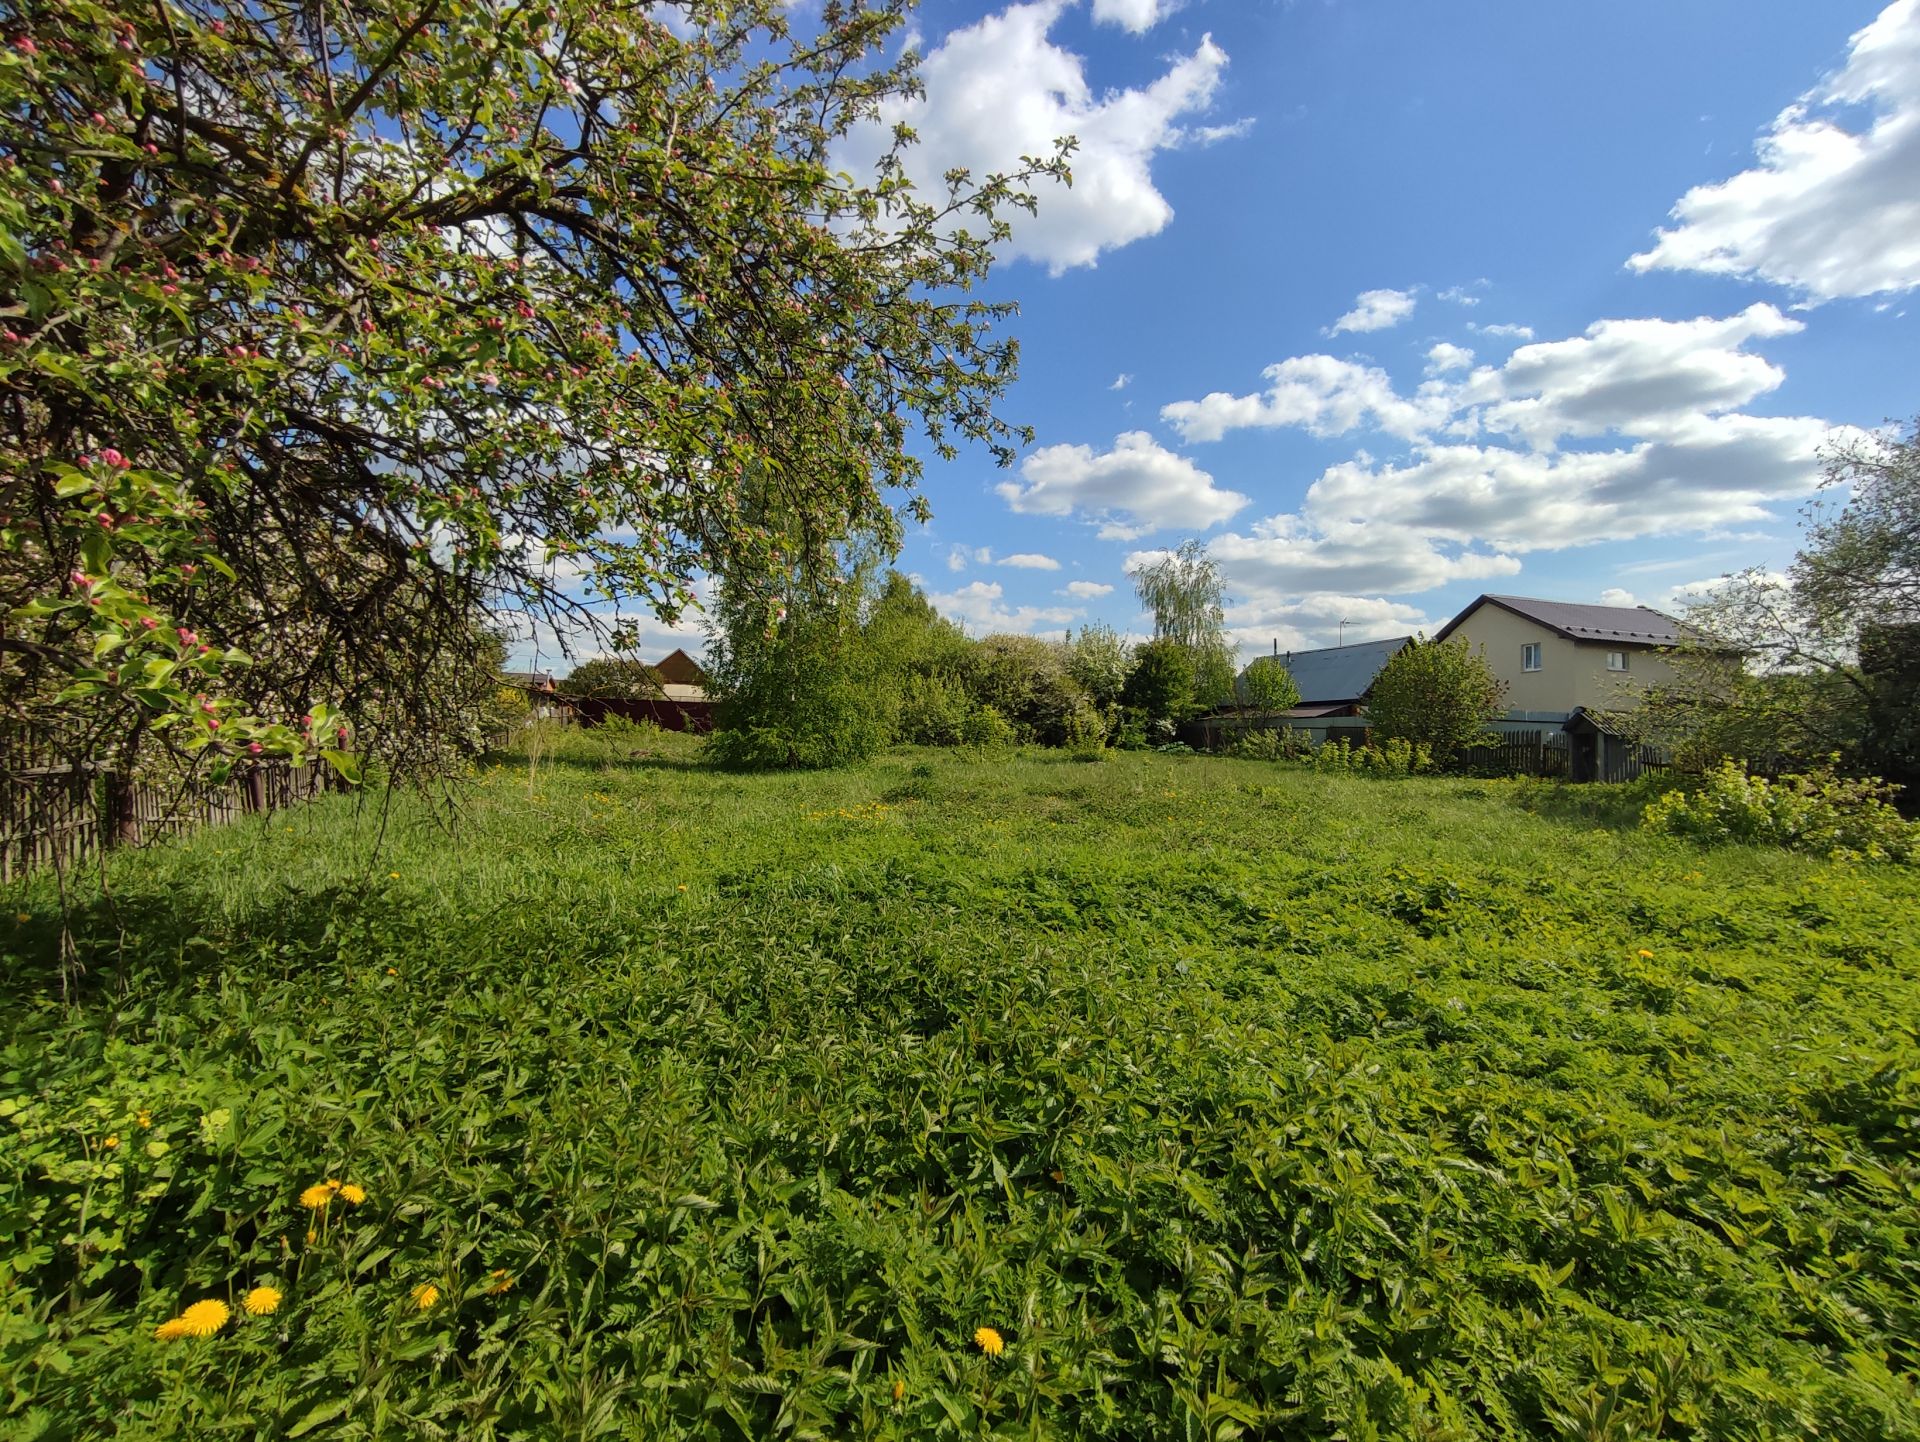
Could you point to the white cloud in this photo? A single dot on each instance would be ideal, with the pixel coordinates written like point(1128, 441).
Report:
point(978, 607)
point(1136, 16)
point(1030, 561)
point(1325, 395)
point(1446, 356)
point(1000, 89)
point(1633, 429)
point(1137, 487)
point(1309, 622)
point(1121, 382)
point(1829, 211)
point(1085, 590)
point(1464, 294)
point(1507, 332)
point(1615, 596)
point(959, 557)
point(1295, 555)
point(1633, 375)
point(1375, 310)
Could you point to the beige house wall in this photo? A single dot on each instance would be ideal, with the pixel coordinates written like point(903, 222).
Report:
point(1572, 673)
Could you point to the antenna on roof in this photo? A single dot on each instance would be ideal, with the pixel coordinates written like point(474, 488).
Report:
point(1343, 630)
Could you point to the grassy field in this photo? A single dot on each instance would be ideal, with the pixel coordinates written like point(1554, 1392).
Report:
point(1236, 1100)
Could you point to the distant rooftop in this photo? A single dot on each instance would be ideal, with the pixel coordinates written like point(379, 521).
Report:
point(1337, 673)
point(1629, 625)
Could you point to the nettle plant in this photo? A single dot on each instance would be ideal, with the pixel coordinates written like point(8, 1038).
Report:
point(327, 334)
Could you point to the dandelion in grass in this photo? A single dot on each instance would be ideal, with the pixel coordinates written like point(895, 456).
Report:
point(262, 1301)
point(425, 1297)
point(316, 1197)
point(899, 1388)
point(1644, 954)
point(989, 1341)
point(499, 1280)
point(353, 1193)
point(110, 1143)
point(144, 1119)
point(202, 1319)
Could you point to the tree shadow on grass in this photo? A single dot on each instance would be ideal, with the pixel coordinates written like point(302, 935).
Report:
point(1589, 804)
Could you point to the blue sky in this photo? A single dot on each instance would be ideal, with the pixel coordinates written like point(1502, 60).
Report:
point(1679, 241)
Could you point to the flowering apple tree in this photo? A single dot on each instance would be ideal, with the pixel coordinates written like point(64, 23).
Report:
point(331, 331)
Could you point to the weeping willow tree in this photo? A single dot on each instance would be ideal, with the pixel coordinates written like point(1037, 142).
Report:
point(1184, 591)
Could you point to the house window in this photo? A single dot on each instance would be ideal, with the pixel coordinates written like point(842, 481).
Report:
point(1616, 660)
point(1530, 656)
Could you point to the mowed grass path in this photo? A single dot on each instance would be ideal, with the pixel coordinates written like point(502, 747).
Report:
point(1236, 1099)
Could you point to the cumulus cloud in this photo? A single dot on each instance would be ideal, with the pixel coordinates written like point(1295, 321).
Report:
point(1828, 210)
point(1638, 375)
point(1085, 590)
point(1446, 356)
point(1030, 561)
point(980, 608)
point(1375, 310)
point(1000, 89)
point(1504, 332)
point(1137, 487)
point(1259, 623)
point(959, 557)
point(1615, 596)
point(1636, 428)
point(1320, 393)
point(1136, 16)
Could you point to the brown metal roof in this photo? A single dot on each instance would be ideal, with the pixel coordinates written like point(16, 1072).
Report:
point(1622, 625)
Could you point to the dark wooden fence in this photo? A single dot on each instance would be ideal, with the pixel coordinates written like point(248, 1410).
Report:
point(1521, 753)
point(666, 714)
point(58, 810)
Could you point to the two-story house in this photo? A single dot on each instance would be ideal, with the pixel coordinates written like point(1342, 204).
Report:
point(1559, 657)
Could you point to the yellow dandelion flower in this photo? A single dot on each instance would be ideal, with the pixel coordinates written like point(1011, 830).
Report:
point(989, 1341)
point(144, 1119)
point(353, 1192)
point(312, 1235)
point(899, 1388)
point(425, 1296)
point(202, 1319)
point(499, 1280)
point(262, 1301)
point(316, 1197)
point(1644, 954)
point(393, 971)
point(22, 917)
point(393, 876)
point(110, 1143)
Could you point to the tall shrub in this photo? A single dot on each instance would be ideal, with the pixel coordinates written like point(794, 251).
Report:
point(1437, 694)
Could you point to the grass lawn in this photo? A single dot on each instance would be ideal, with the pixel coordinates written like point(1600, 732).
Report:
point(1237, 1100)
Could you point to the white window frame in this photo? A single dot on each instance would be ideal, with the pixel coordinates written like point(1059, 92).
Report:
point(1531, 658)
point(1613, 656)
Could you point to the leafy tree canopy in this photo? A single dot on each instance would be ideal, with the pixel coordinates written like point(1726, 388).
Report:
point(326, 331)
point(1267, 685)
point(1438, 693)
point(613, 677)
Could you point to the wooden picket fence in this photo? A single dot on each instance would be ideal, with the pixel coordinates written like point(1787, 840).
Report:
point(1521, 753)
point(59, 809)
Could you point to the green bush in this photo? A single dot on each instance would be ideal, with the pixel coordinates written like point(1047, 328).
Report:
point(985, 729)
point(1816, 811)
point(933, 711)
point(1085, 731)
point(1270, 743)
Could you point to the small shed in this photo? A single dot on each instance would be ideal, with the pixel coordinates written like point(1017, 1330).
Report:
point(1596, 752)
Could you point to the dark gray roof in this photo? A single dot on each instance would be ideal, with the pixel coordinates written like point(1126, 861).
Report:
point(1624, 625)
point(1338, 673)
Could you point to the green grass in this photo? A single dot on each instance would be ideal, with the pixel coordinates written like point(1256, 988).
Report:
point(1240, 1100)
